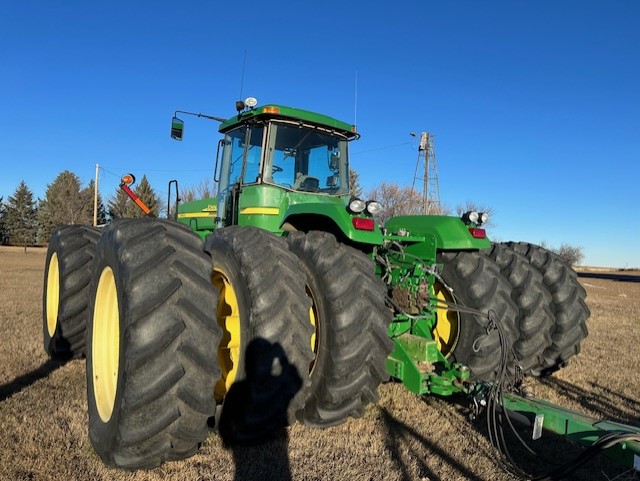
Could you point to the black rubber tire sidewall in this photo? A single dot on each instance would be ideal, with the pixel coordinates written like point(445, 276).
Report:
point(99, 431)
point(74, 246)
point(260, 266)
point(168, 338)
point(351, 325)
point(477, 283)
point(535, 319)
point(568, 304)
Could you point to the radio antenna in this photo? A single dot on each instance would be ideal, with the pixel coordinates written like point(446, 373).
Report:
point(355, 106)
point(244, 63)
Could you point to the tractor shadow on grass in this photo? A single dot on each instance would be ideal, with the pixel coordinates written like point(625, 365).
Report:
point(552, 450)
point(30, 378)
point(254, 417)
point(399, 438)
point(601, 400)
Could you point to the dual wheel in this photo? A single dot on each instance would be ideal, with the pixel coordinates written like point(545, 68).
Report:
point(66, 290)
point(158, 361)
point(304, 330)
point(537, 300)
point(137, 299)
point(151, 357)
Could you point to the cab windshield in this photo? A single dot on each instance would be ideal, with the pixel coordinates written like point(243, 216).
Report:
point(306, 159)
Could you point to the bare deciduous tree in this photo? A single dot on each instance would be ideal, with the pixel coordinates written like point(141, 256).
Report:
point(204, 189)
point(477, 207)
point(395, 200)
point(571, 255)
point(398, 200)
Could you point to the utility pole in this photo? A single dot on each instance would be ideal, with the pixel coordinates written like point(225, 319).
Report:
point(95, 199)
point(430, 188)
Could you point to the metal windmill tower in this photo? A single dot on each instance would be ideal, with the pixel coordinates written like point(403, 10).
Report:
point(430, 188)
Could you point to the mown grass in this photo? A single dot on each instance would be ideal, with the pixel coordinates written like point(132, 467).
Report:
point(43, 418)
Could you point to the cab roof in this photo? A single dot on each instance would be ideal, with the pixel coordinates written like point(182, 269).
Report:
point(272, 111)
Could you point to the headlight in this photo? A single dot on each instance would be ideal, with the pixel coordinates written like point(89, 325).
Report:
point(472, 216)
point(484, 217)
point(356, 205)
point(373, 207)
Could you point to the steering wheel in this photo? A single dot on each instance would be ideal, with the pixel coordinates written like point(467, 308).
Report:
point(275, 168)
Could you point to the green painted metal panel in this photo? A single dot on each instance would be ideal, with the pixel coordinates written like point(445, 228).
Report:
point(449, 233)
point(342, 218)
point(416, 361)
point(199, 215)
point(577, 427)
point(269, 207)
point(268, 111)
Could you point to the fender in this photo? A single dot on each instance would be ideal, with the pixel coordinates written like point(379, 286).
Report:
point(332, 218)
point(450, 233)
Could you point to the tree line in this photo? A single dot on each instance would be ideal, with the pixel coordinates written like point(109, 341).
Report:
point(27, 221)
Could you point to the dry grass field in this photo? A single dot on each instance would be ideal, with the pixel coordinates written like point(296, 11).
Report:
point(43, 417)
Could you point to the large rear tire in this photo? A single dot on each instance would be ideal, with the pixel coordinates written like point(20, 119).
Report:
point(351, 321)
point(477, 283)
point(568, 305)
point(263, 312)
point(534, 319)
point(151, 344)
point(67, 276)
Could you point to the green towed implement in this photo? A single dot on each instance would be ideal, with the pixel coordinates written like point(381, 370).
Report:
point(283, 300)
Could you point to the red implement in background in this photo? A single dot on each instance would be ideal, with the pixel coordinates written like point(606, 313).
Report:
point(127, 180)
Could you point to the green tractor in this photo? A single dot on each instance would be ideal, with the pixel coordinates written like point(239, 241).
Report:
point(284, 300)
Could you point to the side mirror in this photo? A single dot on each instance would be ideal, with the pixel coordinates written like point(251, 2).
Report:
point(334, 161)
point(177, 128)
point(333, 181)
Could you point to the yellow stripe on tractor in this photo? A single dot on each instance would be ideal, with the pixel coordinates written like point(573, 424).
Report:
point(260, 210)
point(187, 215)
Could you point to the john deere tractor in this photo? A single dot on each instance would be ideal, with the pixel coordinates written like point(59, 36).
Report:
point(284, 300)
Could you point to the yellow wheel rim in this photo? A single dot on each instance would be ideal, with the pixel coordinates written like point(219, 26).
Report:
point(313, 316)
point(314, 335)
point(228, 315)
point(447, 328)
point(53, 294)
point(105, 344)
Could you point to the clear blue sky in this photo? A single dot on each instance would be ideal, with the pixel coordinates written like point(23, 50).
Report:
point(535, 105)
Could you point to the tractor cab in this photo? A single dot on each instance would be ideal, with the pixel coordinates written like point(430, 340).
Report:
point(283, 168)
point(279, 147)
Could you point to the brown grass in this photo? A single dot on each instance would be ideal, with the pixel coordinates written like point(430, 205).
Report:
point(43, 418)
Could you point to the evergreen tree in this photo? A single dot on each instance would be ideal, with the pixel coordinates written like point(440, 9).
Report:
point(88, 192)
point(64, 203)
point(121, 206)
point(354, 183)
point(21, 217)
point(147, 195)
point(118, 205)
point(3, 230)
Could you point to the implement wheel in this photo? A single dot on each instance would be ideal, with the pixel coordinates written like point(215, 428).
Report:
point(535, 319)
point(350, 342)
point(263, 312)
point(568, 305)
point(151, 344)
point(66, 290)
point(477, 283)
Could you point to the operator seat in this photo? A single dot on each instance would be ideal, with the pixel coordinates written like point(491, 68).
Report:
point(306, 183)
